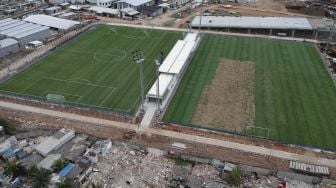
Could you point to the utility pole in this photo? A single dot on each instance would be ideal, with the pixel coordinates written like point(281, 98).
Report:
point(200, 21)
point(190, 15)
point(332, 32)
point(139, 59)
point(158, 62)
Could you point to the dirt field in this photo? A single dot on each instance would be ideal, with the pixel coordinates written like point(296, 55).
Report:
point(228, 103)
point(277, 5)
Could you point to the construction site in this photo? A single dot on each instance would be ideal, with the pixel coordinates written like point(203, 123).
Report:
point(202, 94)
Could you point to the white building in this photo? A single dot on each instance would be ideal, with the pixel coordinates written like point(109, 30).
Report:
point(105, 11)
point(173, 67)
point(134, 4)
point(55, 141)
point(53, 10)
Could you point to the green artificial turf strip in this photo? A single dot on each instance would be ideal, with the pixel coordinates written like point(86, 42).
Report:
point(294, 96)
point(97, 69)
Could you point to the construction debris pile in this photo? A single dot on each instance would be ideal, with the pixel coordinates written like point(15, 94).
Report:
point(124, 166)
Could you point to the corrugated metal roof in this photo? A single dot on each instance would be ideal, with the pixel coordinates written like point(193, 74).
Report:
point(66, 170)
point(47, 162)
point(8, 42)
point(135, 2)
point(23, 30)
point(182, 58)
point(55, 141)
point(7, 23)
point(51, 21)
point(179, 55)
point(5, 20)
point(53, 8)
point(309, 168)
point(104, 10)
point(171, 57)
point(164, 81)
point(30, 32)
point(253, 22)
point(129, 11)
point(11, 30)
point(12, 25)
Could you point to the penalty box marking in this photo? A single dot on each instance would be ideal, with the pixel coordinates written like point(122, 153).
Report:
point(146, 32)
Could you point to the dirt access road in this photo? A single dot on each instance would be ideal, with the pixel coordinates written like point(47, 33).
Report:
point(199, 140)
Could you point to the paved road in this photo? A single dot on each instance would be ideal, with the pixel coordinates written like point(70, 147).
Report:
point(181, 136)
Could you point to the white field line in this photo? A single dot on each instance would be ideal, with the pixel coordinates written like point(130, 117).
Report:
point(106, 97)
point(142, 37)
point(75, 82)
point(81, 79)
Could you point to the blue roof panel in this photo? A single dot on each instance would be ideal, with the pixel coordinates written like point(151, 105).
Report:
point(66, 170)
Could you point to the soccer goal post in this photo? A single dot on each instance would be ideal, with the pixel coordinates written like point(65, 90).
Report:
point(55, 98)
point(258, 131)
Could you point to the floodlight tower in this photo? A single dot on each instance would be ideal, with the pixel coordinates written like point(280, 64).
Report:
point(139, 59)
point(158, 62)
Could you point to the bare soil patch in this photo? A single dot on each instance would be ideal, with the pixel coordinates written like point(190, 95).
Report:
point(228, 102)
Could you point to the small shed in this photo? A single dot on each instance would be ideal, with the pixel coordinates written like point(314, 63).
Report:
point(53, 10)
point(128, 13)
point(35, 44)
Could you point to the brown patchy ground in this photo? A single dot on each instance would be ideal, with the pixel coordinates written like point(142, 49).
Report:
point(228, 103)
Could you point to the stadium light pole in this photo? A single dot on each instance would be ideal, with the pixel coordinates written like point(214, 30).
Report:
point(139, 59)
point(158, 62)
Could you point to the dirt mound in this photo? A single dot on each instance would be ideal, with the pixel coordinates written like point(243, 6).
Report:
point(228, 102)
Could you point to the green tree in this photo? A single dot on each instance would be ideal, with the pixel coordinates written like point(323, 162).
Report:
point(40, 177)
point(67, 183)
point(14, 169)
point(59, 165)
point(234, 178)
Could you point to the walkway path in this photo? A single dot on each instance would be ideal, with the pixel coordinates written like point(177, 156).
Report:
point(172, 134)
point(213, 32)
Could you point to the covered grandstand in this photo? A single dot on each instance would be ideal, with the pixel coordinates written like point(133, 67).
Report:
point(173, 67)
point(284, 26)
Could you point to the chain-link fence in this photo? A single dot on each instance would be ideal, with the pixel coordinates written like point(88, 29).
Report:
point(244, 134)
point(31, 58)
point(69, 107)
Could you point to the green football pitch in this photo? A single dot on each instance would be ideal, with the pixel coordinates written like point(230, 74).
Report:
point(97, 69)
point(294, 96)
